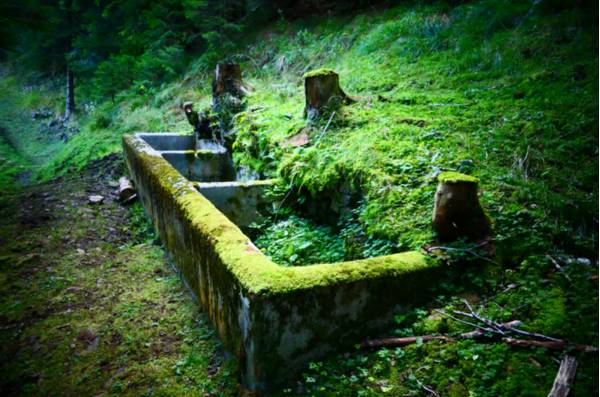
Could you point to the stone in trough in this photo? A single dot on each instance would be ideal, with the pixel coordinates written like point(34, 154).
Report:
point(457, 212)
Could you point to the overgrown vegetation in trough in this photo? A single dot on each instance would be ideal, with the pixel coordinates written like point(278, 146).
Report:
point(503, 91)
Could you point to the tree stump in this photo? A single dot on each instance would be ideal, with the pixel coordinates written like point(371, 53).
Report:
point(126, 190)
point(200, 121)
point(457, 211)
point(228, 80)
point(322, 89)
point(190, 114)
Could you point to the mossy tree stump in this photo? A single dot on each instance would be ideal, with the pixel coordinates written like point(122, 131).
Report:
point(457, 212)
point(200, 121)
point(322, 90)
point(228, 80)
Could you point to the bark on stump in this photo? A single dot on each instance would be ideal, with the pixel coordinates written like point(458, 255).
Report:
point(457, 211)
point(126, 190)
point(322, 89)
point(228, 80)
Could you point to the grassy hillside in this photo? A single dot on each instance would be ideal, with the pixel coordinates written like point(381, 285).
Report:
point(505, 91)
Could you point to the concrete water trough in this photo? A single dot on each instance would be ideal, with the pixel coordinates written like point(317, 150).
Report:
point(275, 319)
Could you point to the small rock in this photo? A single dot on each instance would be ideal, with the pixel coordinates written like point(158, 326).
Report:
point(87, 335)
point(584, 261)
point(92, 345)
point(80, 251)
point(96, 199)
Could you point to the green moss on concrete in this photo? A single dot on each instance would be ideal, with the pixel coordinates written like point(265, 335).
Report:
point(256, 273)
point(456, 177)
point(319, 72)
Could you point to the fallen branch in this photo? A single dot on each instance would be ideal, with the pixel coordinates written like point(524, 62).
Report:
point(409, 340)
point(550, 345)
point(424, 386)
point(481, 334)
point(469, 251)
point(318, 140)
point(399, 342)
point(564, 378)
point(502, 328)
point(559, 268)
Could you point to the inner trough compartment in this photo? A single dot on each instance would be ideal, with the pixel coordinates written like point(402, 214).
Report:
point(241, 197)
point(202, 165)
point(168, 141)
point(209, 166)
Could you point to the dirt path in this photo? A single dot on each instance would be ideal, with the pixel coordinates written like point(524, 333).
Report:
point(89, 306)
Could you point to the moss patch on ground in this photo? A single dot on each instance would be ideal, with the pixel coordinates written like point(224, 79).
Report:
point(90, 306)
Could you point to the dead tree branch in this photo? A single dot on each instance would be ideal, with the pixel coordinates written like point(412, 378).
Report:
point(424, 386)
point(564, 378)
point(501, 328)
point(470, 251)
point(491, 329)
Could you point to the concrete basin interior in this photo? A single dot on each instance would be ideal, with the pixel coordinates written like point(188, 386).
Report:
point(208, 165)
point(197, 160)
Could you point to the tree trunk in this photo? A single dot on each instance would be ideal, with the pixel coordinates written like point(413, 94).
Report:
point(457, 212)
point(228, 79)
point(70, 102)
point(322, 90)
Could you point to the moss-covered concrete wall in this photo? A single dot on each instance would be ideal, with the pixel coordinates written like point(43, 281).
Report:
point(274, 319)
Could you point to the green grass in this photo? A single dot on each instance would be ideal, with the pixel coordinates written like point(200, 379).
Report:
point(12, 166)
point(437, 90)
